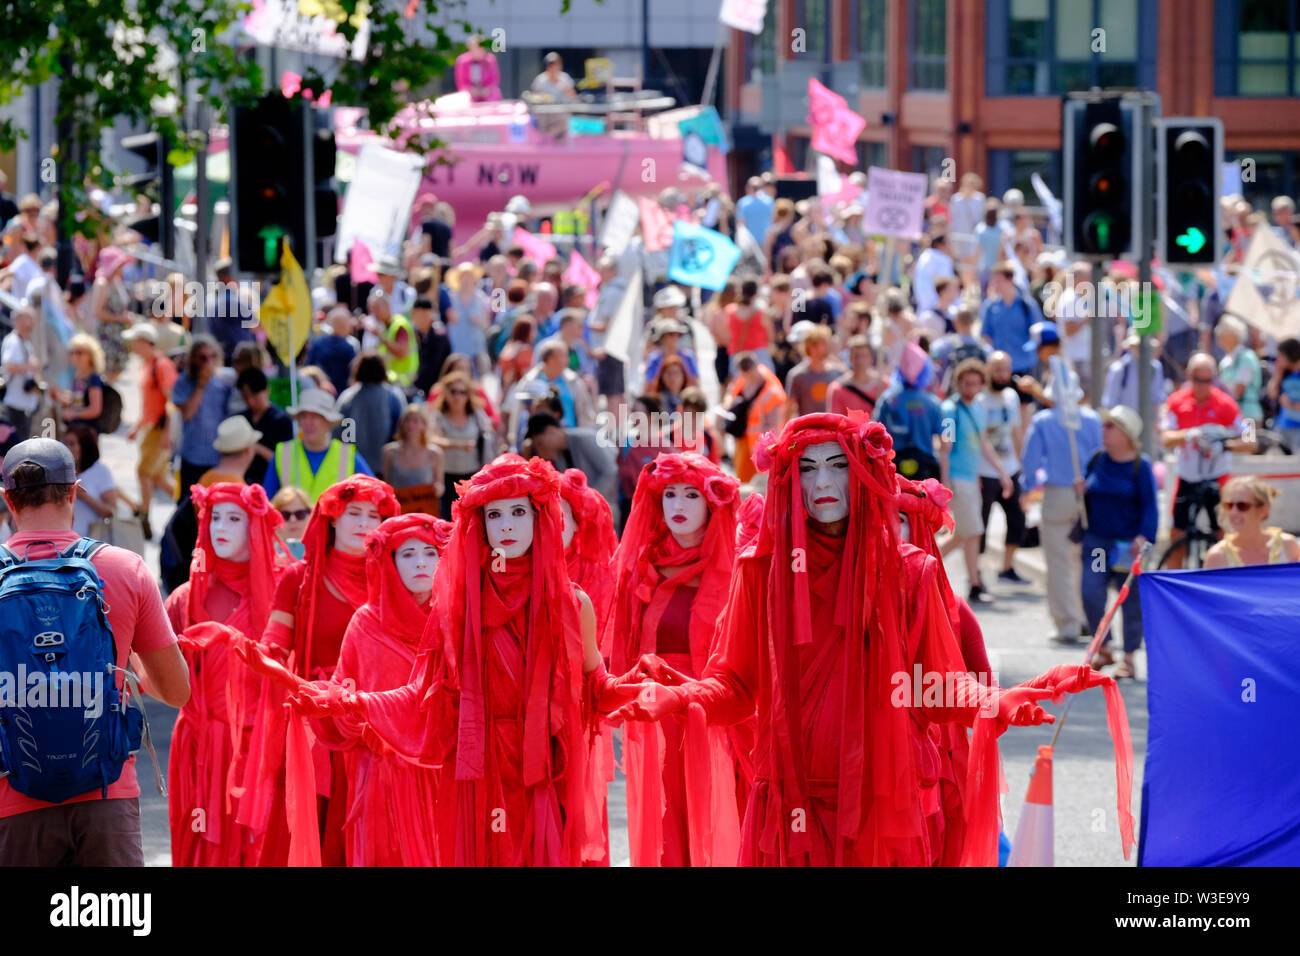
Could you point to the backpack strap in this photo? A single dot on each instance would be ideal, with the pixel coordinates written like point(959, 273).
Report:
point(7, 557)
point(84, 548)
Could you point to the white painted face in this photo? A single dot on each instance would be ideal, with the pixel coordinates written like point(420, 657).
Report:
point(570, 522)
point(685, 510)
point(350, 528)
point(904, 529)
point(229, 528)
point(824, 481)
point(509, 526)
point(416, 561)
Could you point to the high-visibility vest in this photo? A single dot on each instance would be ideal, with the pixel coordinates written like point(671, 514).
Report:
point(402, 370)
point(294, 470)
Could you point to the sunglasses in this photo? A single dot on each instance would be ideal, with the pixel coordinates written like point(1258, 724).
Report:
point(1238, 505)
point(302, 514)
point(1202, 381)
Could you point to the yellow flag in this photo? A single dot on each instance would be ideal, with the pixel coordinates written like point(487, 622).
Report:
point(287, 308)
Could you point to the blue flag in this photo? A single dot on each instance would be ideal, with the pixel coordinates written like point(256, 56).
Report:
point(701, 256)
point(709, 125)
point(1222, 779)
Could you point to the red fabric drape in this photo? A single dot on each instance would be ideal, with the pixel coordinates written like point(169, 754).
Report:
point(682, 776)
point(209, 739)
point(284, 830)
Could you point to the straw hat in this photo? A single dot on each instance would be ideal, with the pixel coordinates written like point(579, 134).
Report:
point(318, 402)
point(236, 435)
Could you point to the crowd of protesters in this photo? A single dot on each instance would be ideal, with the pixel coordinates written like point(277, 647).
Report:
point(427, 372)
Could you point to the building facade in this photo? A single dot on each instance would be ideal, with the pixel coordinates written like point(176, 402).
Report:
point(980, 81)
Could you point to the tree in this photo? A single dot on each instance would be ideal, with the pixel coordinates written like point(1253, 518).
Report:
point(151, 60)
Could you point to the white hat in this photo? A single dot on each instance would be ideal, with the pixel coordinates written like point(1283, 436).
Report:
point(235, 434)
point(1126, 420)
point(386, 266)
point(141, 330)
point(317, 401)
point(667, 326)
point(799, 330)
point(669, 297)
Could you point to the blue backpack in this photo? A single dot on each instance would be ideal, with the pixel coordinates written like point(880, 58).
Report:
point(65, 727)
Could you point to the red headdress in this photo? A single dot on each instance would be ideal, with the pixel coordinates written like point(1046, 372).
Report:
point(593, 543)
point(532, 596)
point(876, 788)
point(346, 572)
point(926, 505)
point(399, 615)
point(253, 579)
point(648, 545)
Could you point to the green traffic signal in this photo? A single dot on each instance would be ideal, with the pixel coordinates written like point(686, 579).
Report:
point(270, 236)
point(1193, 240)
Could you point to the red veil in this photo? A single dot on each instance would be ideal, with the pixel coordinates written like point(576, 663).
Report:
point(588, 559)
point(390, 815)
point(589, 552)
point(207, 742)
point(702, 763)
point(282, 740)
point(504, 643)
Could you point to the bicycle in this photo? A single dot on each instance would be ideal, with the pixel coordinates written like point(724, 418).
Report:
point(1200, 535)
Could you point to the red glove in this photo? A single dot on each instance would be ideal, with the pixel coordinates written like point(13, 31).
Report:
point(259, 660)
point(608, 693)
point(1016, 707)
point(653, 668)
point(324, 699)
point(1068, 679)
point(654, 702)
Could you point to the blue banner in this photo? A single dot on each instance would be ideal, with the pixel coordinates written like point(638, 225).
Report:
point(1222, 779)
point(701, 256)
point(708, 124)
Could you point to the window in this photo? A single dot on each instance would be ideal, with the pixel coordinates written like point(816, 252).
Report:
point(928, 46)
point(814, 18)
point(760, 51)
point(1275, 174)
point(869, 43)
point(1055, 46)
point(871, 154)
point(1259, 55)
point(1014, 168)
point(928, 160)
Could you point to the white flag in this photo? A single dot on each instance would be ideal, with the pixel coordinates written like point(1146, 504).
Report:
point(744, 15)
point(1264, 293)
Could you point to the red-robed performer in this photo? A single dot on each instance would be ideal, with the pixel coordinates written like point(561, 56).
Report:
point(232, 580)
point(498, 692)
point(826, 606)
point(923, 510)
point(390, 801)
point(589, 543)
point(673, 569)
point(314, 603)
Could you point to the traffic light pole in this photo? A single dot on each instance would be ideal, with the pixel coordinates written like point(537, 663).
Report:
point(1146, 240)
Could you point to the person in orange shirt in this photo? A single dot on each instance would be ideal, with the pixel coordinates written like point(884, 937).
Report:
point(757, 401)
point(154, 469)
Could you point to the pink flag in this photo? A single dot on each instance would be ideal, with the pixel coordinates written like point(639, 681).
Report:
point(581, 274)
point(359, 263)
point(539, 250)
point(656, 225)
point(290, 83)
point(835, 126)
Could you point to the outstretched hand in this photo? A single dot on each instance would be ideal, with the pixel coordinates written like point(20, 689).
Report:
point(1067, 679)
point(653, 702)
point(259, 660)
point(323, 699)
point(1017, 707)
point(610, 692)
point(653, 669)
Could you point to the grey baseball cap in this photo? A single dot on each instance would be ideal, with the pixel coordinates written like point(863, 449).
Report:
point(53, 457)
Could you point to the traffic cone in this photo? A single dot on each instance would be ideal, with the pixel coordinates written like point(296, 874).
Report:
point(1034, 837)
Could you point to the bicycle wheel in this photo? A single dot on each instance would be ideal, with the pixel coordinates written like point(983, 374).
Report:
point(1179, 546)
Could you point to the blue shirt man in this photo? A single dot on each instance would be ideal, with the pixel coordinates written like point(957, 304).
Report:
point(912, 416)
point(755, 209)
point(965, 423)
point(1005, 320)
point(1047, 459)
point(200, 431)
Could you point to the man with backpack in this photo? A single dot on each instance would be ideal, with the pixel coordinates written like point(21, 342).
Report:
point(71, 608)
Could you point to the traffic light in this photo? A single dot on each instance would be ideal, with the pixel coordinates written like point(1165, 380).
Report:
point(1189, 157)
point(156, 184)
point(324, 157)
point(268, 180)
point(1103, 184)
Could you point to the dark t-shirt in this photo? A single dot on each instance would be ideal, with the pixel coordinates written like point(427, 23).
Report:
point(334, 354)
point(808, 387)
point(434, 349)
point(819, 311)
point(276, 426)
point(439, 234)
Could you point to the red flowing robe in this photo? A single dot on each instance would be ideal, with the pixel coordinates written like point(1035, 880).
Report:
point(681, 775)
point(202, 761)
point(793, 818)
point(390, 802)
point(272, 783)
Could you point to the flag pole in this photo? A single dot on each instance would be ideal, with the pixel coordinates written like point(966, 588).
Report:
point(711, 78)
point(1103, 628)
